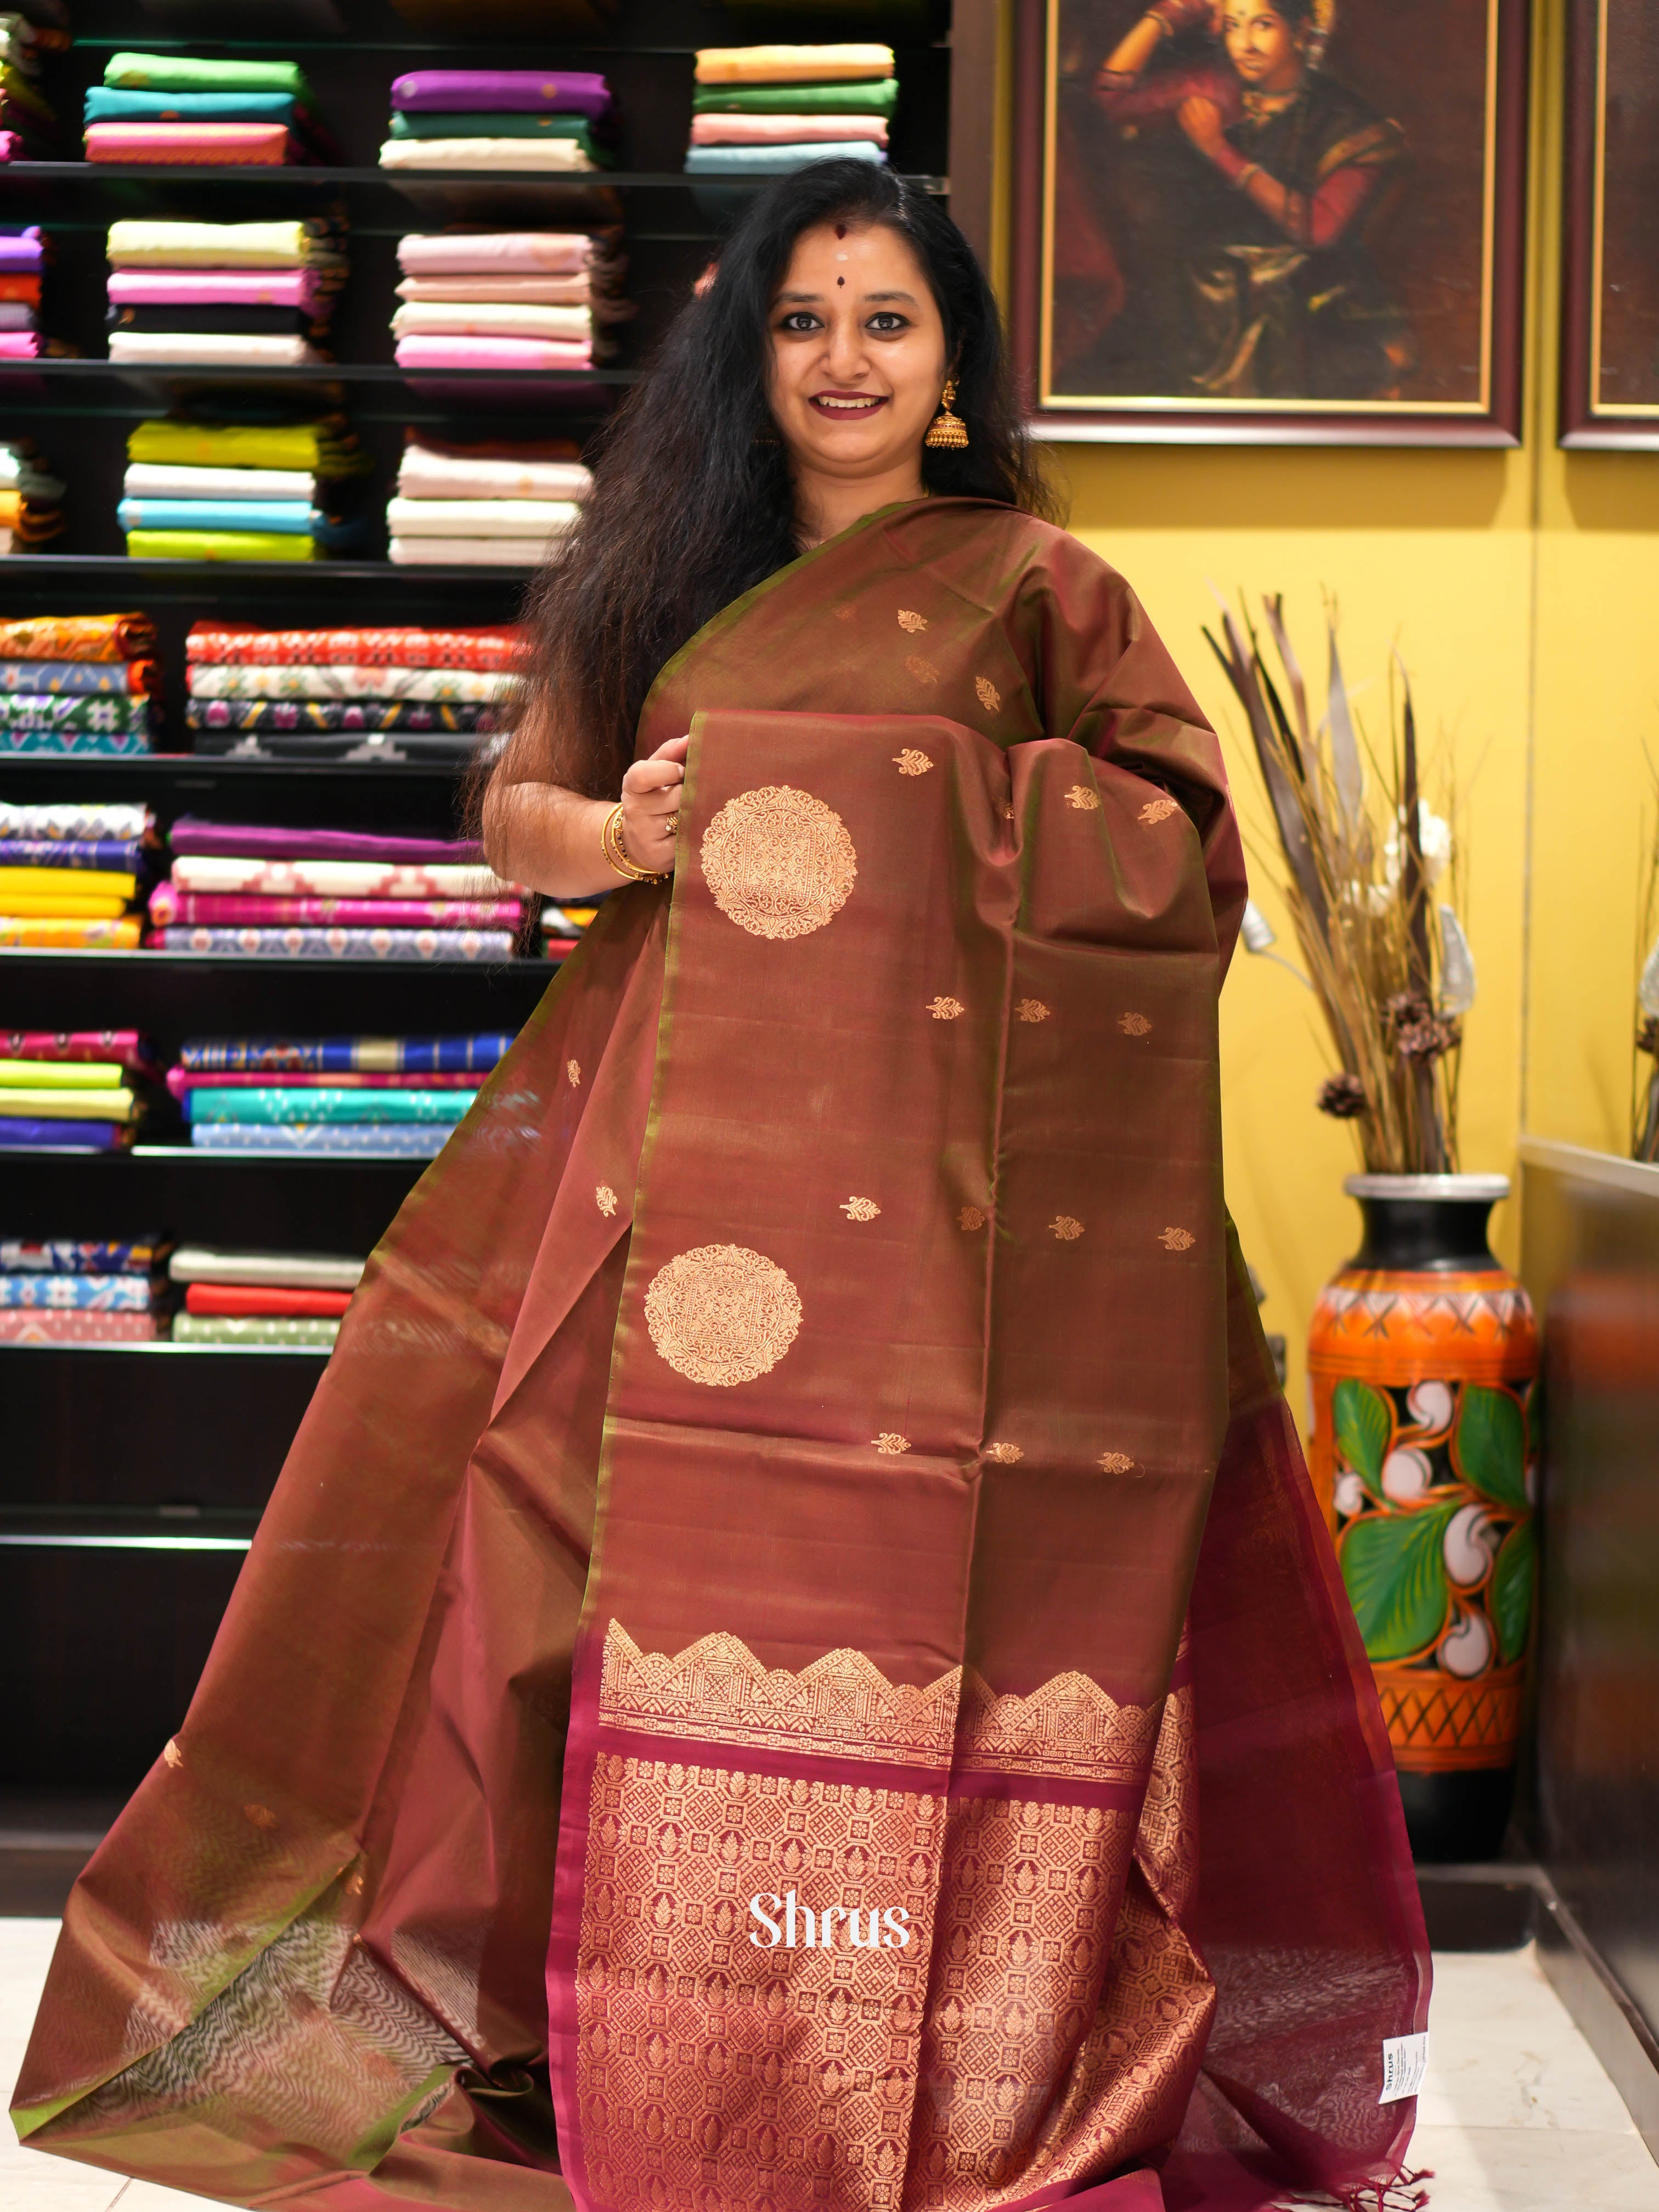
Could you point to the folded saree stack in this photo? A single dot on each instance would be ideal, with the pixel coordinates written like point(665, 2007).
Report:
point(81, 1290)
point(563, 928)
point(31, 497)
point(198, 491)
point(486, 505)
point(23, 256)
point(372, 1097)
point(537, 120)
point(233, 1296)
point(246, 887)
point(233, 294)
point(72, 1090)
point(184, 111)
point(503, 300)
point(30, 128)
point(323, 694)
point(76, 684)
point(778, 107)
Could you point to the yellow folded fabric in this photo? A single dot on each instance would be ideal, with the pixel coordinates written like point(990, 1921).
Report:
point(66, 1105)
point(68, 906)
point(37, 883)
point(62, 1074)
point(791, 64)
point(80, 936)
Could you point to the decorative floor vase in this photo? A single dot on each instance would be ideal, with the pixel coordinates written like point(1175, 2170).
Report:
point(1423, 1355)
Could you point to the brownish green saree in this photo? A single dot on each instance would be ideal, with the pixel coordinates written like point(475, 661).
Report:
point(792, 1664)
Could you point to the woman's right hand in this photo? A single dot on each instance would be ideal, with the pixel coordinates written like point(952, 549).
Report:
point(650, 805)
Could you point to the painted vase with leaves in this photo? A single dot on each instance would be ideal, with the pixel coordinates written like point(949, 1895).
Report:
point(1424, 1351)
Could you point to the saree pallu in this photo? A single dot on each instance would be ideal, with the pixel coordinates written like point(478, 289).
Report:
point(812, 1408)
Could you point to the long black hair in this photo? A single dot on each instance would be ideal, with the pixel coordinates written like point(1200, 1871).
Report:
point(692, 502)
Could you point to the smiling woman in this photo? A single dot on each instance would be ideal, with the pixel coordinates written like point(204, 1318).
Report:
point(808, 1437)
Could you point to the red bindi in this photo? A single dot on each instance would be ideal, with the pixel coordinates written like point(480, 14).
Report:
point(840, 280)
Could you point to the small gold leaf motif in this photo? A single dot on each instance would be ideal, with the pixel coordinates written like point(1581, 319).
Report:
point(860, 1209)
point(722, 1314)
point(989, 697)
point(970, 1218)
point(353, 1884)
point(1004, 1454)
point(262, 1816)
point(1135, 1024)
point(779, 862)
point(845, 613)
point(1158, 810)
point(1066, 1228)
point(923, 670)
point(911, 763)
point(1177, 1240)
point(945, 1010)
point(1115, 1463)
point(1084, 801)
point(606, 1198)
point(573, 1073)
point(1031, 1010)
point(172, 1753)
point(891, 1444)
point(909, 619)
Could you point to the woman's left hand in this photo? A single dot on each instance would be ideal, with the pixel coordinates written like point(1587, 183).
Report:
point(650, 805)
point(1200, 118)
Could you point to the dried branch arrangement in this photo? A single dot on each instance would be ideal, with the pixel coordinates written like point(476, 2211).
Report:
point(1361, 854)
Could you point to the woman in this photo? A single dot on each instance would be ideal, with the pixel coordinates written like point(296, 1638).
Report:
point(752, 1622)
point(1279, 295)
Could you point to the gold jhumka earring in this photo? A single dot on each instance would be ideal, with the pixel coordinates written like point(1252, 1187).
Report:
point(946, 429)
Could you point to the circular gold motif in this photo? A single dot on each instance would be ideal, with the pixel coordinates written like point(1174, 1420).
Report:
point(722, 1314)
point(779, 862)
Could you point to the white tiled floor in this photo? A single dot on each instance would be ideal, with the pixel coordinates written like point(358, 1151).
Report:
point(1516, 2115)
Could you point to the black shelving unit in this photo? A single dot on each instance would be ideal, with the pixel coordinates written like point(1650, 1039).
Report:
point(134, 1476)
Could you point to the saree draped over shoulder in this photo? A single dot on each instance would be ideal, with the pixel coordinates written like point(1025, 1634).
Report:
point(793, 1662)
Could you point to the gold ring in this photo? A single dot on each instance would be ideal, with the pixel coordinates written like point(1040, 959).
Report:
point(671, 827)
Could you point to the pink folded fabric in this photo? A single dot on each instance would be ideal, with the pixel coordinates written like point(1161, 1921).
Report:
point(785, 129)
point(491, 353)
point(167, 905)
point(528, 252)
point(215, 287)
point(19, 345)
point(180, 1080)
point(543, 291)
point(206, 145)
point(11, 146)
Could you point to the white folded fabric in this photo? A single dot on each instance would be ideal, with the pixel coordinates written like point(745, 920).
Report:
point(240, 351)
point(158, 480)
point(485, 153)
point(209, 871)
point(423, 475)
point(500, 318)
point(543, 291)
point(463, 552)
point(286, 1271)
point(534, 519)
point(336, 680)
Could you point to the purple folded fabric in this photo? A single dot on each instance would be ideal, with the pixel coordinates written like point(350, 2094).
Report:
point(21, 251)
point(215, 287)
point(257, 840)
point(494, 92)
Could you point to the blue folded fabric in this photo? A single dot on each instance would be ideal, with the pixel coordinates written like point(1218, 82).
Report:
point(106, 103)
point(717, 160)
point(409, 1140)
point(23, 1131)
point(43, 1293)
point(288, 518)
point(120, 852)
point(297, 1102)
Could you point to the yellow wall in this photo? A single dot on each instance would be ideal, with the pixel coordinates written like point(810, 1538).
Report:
point(1519, 587)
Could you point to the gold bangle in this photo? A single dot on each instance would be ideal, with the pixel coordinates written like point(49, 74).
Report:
point(616, 852)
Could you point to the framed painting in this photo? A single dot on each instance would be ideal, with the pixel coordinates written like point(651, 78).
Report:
point(1610, 262)
point(1271, 222)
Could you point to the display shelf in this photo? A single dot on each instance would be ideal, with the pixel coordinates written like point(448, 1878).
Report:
point(298, 175)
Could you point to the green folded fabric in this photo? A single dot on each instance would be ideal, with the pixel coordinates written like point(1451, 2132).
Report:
point(876, 97)
point(254, 1328)
point(316, 448)
point(493, 126)
point(191, 73)
point(217, 545)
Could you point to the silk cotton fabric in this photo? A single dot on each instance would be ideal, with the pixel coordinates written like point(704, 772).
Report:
point(854, 1207)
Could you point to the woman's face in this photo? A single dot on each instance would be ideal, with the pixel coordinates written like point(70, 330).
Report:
point(858, 352)
point(1262, 47)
